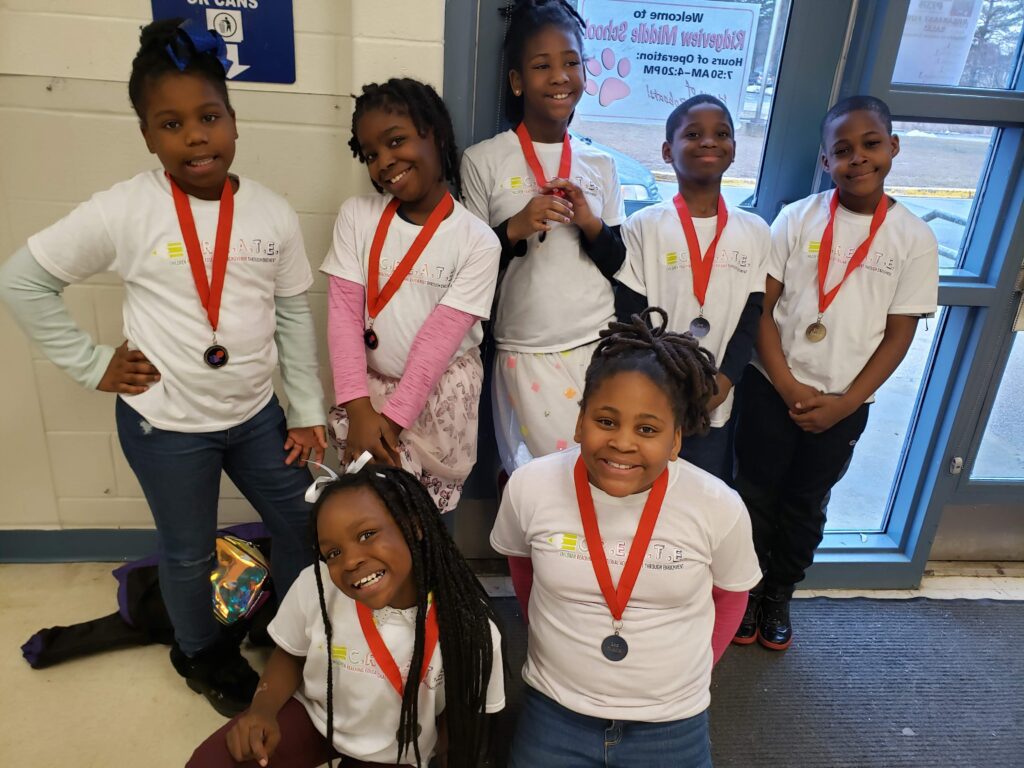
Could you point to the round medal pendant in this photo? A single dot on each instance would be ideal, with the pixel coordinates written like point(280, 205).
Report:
point(215, 356)
point(815, 332)
point(370, 338)
point(614, 648)
point(699, 327)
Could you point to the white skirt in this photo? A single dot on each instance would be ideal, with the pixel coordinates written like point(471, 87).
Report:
point(536, 402)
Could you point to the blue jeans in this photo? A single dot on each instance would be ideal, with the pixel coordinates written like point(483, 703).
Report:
point(180, 475)
point(550, 736)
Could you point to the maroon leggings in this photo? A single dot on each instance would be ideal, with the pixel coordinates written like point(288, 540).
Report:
point(301, 745)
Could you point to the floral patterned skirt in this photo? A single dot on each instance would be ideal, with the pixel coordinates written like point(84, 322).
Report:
point(440, 447)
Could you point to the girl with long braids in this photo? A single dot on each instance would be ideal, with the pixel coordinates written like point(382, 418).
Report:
point(411, 275)
point(556, 204)
point(389, 596)
point(642, 563)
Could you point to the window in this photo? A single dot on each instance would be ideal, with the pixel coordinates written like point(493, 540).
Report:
point(643, 60)
point(964, 43)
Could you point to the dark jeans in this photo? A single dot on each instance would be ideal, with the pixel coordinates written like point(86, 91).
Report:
point(550, 736)
point(785, 476)
point(713, 451)
point(180, 475)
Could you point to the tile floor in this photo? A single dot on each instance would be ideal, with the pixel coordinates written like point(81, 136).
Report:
point(129, 708)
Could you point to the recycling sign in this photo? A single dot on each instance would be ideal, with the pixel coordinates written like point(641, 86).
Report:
point(259, 34)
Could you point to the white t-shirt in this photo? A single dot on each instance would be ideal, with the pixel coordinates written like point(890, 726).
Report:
point(702, 538)
point(458, 268)
point(132, 229)
point(899, 276)
point(554, 297)
point(366, 707)
point(658, 266)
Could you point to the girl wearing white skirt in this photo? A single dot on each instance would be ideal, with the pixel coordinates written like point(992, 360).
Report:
point(411, 275)
point(556, 205)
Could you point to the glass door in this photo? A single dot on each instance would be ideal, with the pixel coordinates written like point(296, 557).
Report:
point(945, 429)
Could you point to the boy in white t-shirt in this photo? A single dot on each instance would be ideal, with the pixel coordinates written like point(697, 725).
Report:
point(851, 272)
point(702, 262)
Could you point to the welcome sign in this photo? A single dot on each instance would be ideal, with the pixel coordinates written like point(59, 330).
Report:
point(645, 58)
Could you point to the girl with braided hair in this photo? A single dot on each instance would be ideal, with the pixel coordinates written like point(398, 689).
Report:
point(556, 205)
point(411, 274)
point(360, 640)
point(642, 564)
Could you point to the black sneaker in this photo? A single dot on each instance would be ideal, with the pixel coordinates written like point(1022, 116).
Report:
point(219, 673)
point(747, 633)
point(774, 630)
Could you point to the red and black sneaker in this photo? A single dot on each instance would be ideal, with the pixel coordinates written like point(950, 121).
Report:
point(747, 632)
point(774, 630)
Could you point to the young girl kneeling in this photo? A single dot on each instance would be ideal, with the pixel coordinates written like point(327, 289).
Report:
point(619, 672)
point(390, 594)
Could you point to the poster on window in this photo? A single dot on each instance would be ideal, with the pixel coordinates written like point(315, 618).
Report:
point(645, 58)
point(936, 40)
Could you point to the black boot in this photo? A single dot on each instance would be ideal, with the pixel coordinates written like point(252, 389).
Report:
point(219, 673)
point(774, 630)
point(747, 633)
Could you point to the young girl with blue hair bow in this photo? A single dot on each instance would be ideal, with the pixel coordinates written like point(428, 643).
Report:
point(215, 280)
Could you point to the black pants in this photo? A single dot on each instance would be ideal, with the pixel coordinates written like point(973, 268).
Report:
point(785, 476)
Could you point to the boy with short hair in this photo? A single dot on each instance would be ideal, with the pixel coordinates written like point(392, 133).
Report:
point(850, 273)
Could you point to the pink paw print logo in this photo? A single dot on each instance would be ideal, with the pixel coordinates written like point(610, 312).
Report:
point(611, 89)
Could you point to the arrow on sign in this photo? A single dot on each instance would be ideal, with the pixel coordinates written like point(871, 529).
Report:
point(236, 68)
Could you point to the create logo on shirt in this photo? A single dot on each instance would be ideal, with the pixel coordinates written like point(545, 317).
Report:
point(521, 185)
point(361, 661)
point(734, 260)
point(660, 556)
point(256, 250)
point(422, 273)
point(876, 261)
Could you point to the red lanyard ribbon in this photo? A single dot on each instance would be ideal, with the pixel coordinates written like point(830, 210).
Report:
point(700, 267)
point(564, 162)
point(383, 656)
point(825, 249)
point(209, 293)
point(617, 597)
point(376, 297)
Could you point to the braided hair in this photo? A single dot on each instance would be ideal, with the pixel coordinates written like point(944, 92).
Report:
point(424, 107)
point(153, 62)
point(525, 19)
point(462, 608)
point(675, 362)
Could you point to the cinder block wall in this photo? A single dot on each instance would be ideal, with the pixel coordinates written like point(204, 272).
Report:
point(67, 131)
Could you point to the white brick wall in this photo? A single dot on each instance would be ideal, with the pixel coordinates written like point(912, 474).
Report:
point(67, 131)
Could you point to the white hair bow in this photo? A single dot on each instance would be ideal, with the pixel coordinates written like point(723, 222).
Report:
point(314, 490)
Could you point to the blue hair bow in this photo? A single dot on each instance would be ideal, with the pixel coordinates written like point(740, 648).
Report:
point(191, 40)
